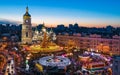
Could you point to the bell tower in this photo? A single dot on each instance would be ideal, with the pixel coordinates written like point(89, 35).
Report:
point(26, 28)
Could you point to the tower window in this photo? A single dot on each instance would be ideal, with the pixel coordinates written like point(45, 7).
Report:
point(26, 34)
point(26, 26)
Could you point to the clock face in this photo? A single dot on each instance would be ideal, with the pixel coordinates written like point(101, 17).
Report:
point(26, 20)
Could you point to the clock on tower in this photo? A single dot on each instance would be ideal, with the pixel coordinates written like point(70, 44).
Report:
point(26, 28)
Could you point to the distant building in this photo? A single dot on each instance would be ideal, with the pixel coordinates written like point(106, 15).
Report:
point(92, 42)
point(61, 27)
point(8, 37)
point(116, 65)
point(71, 26)
point(39, 36)
point(76, 26)
point(26, 28)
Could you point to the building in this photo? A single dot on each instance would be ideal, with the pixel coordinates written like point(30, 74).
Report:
point(92, 42)
point(26, 28)
point(116, 65)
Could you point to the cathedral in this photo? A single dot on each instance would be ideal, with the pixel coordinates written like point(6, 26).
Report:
point(29, 36)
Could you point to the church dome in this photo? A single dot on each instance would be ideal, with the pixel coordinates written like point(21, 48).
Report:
point(27, 13)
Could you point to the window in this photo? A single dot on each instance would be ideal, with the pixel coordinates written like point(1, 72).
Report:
point(26, 26)
point(26, 34)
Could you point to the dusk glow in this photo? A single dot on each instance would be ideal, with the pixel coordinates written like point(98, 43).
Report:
point(97, 13)
point(60, 37)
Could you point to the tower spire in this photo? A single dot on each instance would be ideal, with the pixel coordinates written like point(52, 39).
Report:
point(27, 13)
point(27, 9)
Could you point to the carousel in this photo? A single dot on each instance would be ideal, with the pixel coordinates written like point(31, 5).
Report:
point(54, 61)
point(94, 62)
point(43, 41)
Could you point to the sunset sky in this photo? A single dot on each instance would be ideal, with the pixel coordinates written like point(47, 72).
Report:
point(97, 13)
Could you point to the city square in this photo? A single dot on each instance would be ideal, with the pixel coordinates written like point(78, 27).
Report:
point(43, 49)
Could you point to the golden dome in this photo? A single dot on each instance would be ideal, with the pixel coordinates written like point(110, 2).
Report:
point(27, 13)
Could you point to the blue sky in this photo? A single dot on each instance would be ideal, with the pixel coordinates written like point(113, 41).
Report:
point(89, 13)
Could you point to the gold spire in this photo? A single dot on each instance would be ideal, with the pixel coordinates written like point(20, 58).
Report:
point(27, 13)
point(27, 9)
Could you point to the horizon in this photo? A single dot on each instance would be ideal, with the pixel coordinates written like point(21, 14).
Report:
point(52, 13)
point(57, 25)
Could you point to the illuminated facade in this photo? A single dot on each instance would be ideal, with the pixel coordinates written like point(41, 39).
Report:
point(92, 42)
point(39, 36)
point(46, 42)
point(26, 28)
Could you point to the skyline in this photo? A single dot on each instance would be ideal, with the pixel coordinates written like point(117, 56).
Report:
point(95, 13)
